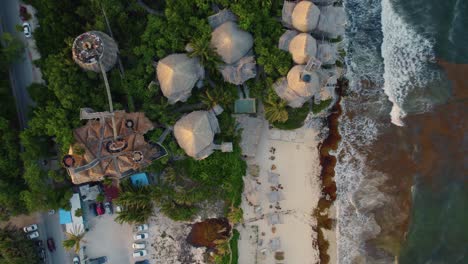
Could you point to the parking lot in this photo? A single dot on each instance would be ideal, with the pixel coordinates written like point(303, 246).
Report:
point(108, 238)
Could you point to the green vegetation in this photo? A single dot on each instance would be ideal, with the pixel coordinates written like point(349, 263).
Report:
point(276, 110)
point(11, 183)
point(74, 240)
point(226, 259)
point(137, 203)
point(15, 248)
point(298, 115)
point(317, 108)
point(11, 49)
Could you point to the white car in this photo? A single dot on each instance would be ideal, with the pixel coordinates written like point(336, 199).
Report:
point(33, 235)
point(142, 227)
point(139, 253)
point(76, 260)
point(139, 246)
point(140, 236)
point(27, 30)
point(30, 228)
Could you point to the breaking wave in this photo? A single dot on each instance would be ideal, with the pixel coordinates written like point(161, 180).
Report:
point(359, 125)
point(407, 56)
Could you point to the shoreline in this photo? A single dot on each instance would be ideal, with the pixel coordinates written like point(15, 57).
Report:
point(326, 221)
point(299, 190)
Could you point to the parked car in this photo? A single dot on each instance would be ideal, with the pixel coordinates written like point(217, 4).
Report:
point(38, 243)
point(142, 262)
point(51, 244)
point(140, 236)
point(108, 207)
point(140, 228)
point(100, 260)
point(99, 209)
point(76, 260)
point(27, 30)
point(138, 245)
point(42, 255)
point(118, 208)
point(23, 11)
point(51, 212)
point(30, 228)
point(139, 253)
point(33, 235)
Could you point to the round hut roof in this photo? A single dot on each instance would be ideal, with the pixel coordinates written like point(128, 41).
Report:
point(177, 75)
point(305, 16)
point(194, 133)
point(230, 42)
point(301, 88)
point(302, 47)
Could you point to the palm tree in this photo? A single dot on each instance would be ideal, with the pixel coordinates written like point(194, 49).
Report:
point(275, 110)
point(74, 239)
point(201, 48)
point(137, 204)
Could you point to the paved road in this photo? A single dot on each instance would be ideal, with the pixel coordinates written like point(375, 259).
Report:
point(21, 76)
point(21, 71)
point(51, 225)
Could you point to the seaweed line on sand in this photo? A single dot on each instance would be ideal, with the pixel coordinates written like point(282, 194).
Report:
point(328, 162)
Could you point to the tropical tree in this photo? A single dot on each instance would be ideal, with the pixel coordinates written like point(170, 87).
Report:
point(235, 215)
point(74, 239)
point(202, 49)
point(10, 50)
point(15, 248)
point(275, 109)
point(137, 204)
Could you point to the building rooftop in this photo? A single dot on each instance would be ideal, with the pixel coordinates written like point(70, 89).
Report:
point(95, 154)
point(139, 179)
point(88, 47)
point(177, 75)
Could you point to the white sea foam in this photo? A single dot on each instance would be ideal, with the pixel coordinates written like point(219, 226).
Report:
point(365, 71)
point(406, 55)
point(349, 173)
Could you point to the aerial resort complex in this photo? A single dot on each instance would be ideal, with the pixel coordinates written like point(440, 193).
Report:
point(187, 133)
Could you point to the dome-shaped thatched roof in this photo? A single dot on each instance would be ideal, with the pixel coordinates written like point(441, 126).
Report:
point(302, 47)
point(195, 133)
point(301, 88)
point(177, 75)
point(294, 90)
point(305, 16)
point(230, 42)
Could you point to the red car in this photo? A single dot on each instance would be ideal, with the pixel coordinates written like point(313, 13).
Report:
point(100, 209)
point(51, 244)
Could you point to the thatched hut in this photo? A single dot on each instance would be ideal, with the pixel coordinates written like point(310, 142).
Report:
point(195, 133)
point(305, 16)
point(294, 89)
point(302, 47)
point(177, 75)
point(230, 42)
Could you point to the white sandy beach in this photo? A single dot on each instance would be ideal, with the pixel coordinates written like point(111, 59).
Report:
point(297, 162)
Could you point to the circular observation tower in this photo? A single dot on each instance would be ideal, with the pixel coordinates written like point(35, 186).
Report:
point(93, 47)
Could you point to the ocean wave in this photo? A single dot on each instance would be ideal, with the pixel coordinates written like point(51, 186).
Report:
point(407, 56)
point(354, 225)
point(359, 129)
